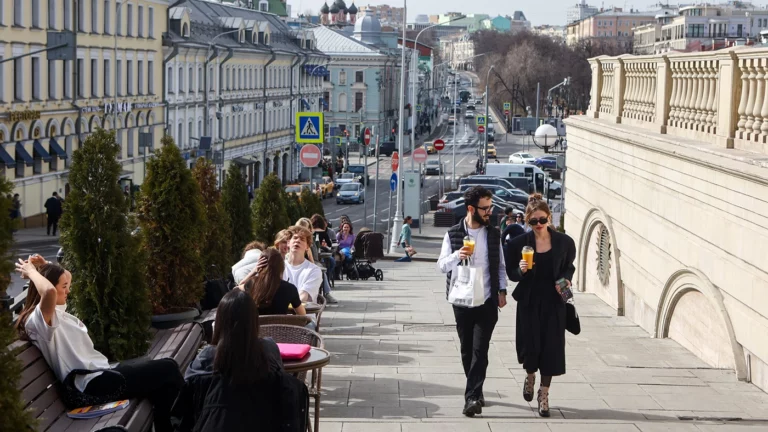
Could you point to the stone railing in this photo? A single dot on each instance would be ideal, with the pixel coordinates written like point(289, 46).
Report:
point(718, 97)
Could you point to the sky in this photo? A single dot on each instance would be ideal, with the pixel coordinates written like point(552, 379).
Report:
point(538, 12)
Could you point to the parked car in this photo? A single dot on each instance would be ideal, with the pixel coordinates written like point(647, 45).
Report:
point(296, 188)
point(451, 120)
point(470, 107)
point(351, 193)
point(345, 178)
point(522, 158)
point(387, 148)
point(450, 196)
point(486, 180)
point(546, 162)
point(469, 115)
point(459, 210)
point(433, 167)
point(360, 171)
point(555, 189)
point(491, 151)
point(510, 195)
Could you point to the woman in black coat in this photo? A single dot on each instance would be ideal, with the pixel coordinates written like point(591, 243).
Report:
point(540, 338)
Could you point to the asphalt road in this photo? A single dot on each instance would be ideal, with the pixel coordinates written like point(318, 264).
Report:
point(47, 251)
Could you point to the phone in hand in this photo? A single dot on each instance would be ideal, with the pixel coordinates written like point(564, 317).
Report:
point(565, 290)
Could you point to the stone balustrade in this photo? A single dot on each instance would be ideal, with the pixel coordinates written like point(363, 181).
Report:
point(718, 97)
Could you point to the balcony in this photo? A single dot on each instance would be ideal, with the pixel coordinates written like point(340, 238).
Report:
point(719, 97)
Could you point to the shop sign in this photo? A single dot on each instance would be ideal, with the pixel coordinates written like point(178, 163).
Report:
point(24, 115)
point(238, 108)
point(277, 104)
point(90, 109)
point(145, 105)
point(120, 107)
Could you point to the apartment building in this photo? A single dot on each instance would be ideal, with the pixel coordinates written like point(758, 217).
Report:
point(613, 25)
point(387, 15)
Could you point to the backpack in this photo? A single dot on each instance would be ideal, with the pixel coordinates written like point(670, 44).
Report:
point(294, 402)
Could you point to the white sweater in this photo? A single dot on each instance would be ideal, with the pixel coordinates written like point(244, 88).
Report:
point(241, 269)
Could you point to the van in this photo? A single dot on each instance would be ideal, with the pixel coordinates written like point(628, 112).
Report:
point(529, 172)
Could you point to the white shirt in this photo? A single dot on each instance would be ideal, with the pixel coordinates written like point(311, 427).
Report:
point(448, 261)
point(306, 276)
point(65, 345)
point(242, 268)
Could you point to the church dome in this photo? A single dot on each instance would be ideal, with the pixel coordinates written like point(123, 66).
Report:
point(352, 9)
point(368, 24)
point(341, 5)
point(334, 9)
point(324, 9)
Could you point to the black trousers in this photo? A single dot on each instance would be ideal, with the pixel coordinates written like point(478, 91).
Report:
point(53, 221)
point(156, 380)
point(475, 327)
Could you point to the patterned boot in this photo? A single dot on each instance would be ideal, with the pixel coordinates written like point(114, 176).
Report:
point(543, 400)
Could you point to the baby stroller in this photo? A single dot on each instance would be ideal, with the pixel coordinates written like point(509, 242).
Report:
point(367, 249)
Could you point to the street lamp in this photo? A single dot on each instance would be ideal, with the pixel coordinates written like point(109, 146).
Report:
point(485, 131)
point(398, 219)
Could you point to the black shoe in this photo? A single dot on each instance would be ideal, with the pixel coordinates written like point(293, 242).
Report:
point(528, 388)
point(472, 407)
point(481, 400)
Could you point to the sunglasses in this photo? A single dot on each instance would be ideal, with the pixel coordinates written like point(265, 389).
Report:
point(541, 220)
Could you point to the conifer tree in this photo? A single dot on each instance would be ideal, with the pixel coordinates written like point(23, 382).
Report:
point(217, 244)
point(109, 292)
point(311, 204)
point(172, 221)
point(293, 207)
point(269, 212)
point(238, 211)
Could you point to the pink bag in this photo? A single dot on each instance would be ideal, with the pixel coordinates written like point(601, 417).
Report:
point(293, 351)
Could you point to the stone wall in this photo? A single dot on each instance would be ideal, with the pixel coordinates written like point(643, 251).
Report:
point(673, 233)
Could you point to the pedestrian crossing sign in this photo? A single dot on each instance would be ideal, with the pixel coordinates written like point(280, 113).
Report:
point(309, 127)
point(418, 108)
point(507, 106)
point(480, 120)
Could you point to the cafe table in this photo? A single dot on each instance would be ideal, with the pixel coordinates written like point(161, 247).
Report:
point(314, 361)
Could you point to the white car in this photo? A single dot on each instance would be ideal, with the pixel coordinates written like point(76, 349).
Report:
point(522, 158)
point(469, 115)
point(345, 178)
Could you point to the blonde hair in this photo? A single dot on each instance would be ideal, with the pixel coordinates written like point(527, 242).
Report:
point(301, 232)
point(536, 203)
point(282, 236)
point(304, 223)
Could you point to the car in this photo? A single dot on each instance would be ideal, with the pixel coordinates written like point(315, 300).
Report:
point(491, 136)
point(491, 151)
point(506, 194)
point(486, 180)
point(555, 189)
point(433, 167)
point(450, 196)
point(351, 193)
point(470, 107)
point(522, 158)
point(490, 121)
point(469, 115)
point(360, 171)
point(296, 189)
point(546, 162)
point(345, 178)
point(490, 127)
point(478, 101)
point(326, 187)
point(387, 148)
point(430, 147)
point(459, 210)
point(451, 120)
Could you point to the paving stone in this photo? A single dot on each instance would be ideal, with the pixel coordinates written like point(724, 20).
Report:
point(666, 427)
point(518, 427)
point(473, 426)
point(369, 427)
point(592, 427)
point(631, 402)
point(399, 412)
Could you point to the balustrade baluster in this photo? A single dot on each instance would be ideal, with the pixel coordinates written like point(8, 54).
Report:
point(744, 96)
point(751, 100)
point(760, 77)
point(764, 108)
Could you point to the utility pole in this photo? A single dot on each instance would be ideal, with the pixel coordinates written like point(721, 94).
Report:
point(485, 130)
point(398, 219)
point(453, 150)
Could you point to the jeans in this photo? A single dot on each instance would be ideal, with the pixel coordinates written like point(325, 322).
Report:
point(475, 327)
point(157, 380)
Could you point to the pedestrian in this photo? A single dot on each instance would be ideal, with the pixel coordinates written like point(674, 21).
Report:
point(250, 192)
point(16, 206)
point(405, 240)
point(323, 243)
point(508, 213)
point(64, 342)
point(475, 325)
point(540, 332)
point(53, 210)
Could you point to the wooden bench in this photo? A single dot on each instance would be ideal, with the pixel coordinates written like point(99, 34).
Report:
point(42, 399)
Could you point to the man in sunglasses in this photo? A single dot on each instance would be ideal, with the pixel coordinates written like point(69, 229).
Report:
point(475, 324)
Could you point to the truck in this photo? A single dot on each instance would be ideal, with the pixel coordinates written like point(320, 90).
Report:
point(535, 179)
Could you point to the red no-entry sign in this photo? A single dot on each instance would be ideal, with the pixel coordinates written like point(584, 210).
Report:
point(310, 155)
point(367, 136)
point(438, 144)
point(481, 129)
point(395, 161)
point(420, 155)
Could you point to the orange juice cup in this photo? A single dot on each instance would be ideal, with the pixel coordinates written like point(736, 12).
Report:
point(528, 256)
point(469, 243)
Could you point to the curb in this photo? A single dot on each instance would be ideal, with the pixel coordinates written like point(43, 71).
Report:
point(35, 243)
point(427, 237)
point(417, 258)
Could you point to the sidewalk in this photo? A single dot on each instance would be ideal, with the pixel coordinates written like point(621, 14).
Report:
point(396, 367)
point(29, 237)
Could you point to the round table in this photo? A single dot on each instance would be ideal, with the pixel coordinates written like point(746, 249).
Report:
point(311, 307)
point(317, 358)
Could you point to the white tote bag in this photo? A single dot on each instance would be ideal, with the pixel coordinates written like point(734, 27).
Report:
point(468, 289)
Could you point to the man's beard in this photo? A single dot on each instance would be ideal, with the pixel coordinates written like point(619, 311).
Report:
point(480, 220)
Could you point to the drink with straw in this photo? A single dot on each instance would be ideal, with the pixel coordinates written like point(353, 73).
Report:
point(469, 242)
point(528, 256)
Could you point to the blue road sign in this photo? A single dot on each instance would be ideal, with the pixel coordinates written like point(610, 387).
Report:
point(480, 120)
point(309, 127)
point(393, 182)
point(418, 108)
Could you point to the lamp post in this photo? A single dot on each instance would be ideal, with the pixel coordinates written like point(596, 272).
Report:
point(485, 131)
point(398, 219)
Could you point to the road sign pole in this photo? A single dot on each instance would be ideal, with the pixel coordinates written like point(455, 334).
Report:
point(421, 195)
point(389, 224)
point(376, 187)
point(365, 189)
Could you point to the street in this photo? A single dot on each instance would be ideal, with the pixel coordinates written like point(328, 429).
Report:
point(47, 251)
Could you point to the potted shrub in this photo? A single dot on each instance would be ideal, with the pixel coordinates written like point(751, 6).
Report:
point(293, 206)
point(269, 212)
point(217, 244)
point(237, 208)
point(311, 204)
point(109, 292)
point(172, 222)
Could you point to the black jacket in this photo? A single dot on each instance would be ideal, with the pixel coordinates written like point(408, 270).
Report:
point(209, 403)
point(53, 207)
point(565, 253)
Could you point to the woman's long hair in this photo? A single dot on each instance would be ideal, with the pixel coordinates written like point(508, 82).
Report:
point(53, 273)
point(263, 286)
point(240, 355)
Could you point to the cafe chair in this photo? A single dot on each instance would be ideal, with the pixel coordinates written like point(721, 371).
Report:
point(291, 320)
point(323, 303)
point(282, 333)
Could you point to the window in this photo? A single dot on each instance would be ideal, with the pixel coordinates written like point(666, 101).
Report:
point(67, 78)
point(107, 24)
point(358, 101)
point(107, 78)
point(210, 78)
point(342, 78)
point(200, 78)
point(181, 80)
point(94, 77)
point(342, 102)
point(190, 133)
point(35, 78)
point(140, 76)
point(141, 21)
point(180, 136)
point(52, 14)
point(131, 132)
point(18, 17)
point(118, 20)
point(67, 14)
point(326, 98)
point(80, 78)
point(170, 80)
point(228, 74)
point(35, 13)
point(18, 79)
point(94, 15)
point(151, 23)
point(359, 76)
point(51, 79)
point(119, 80)
point(129, 26)
point(81, 16)
point(151, 76)
point(191, 80)
point(129, 76)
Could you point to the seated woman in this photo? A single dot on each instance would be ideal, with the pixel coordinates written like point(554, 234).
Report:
point(313, 253)
point(251, 254)
point(346, 238)
point(234, 383)
point(271, 293)
point(281, 242)
point(86, 374)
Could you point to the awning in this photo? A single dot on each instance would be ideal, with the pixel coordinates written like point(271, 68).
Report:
point(205, 143)
point(7, 159)
point(22, 153)
point(40, 151)
point(125, 175)
point(243, 161)
point(56, 148)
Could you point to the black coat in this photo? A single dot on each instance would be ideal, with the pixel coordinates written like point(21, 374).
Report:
point(53, 207)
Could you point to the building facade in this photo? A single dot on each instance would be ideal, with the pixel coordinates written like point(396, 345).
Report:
point(50, 106)
point(387, 15)
point(613, 26)
point(579, 11)
point(459, 50)
point(238, 76)
point(555, 32)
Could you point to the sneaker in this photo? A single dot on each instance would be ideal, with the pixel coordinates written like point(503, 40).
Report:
point(330, 299)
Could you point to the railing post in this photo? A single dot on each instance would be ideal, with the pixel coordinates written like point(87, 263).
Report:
point(619, 83)
point(597, 84)
point(729, 95)
point(663, 93)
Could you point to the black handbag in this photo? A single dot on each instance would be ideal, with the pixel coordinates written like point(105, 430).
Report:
point(572, 322)
point(74, 398)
